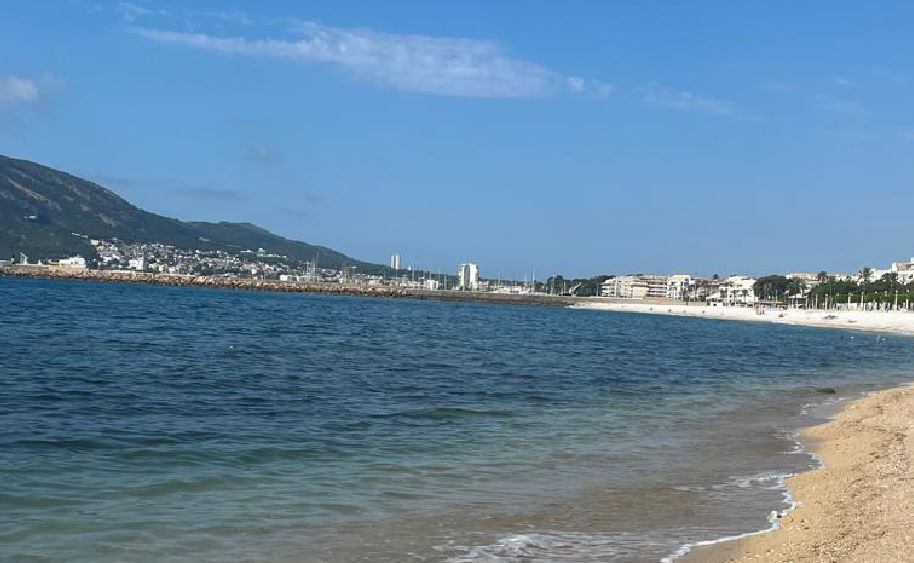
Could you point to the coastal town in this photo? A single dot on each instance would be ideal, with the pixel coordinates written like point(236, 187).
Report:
point(887, 288)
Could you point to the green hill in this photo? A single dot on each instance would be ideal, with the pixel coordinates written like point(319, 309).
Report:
point(41, 209)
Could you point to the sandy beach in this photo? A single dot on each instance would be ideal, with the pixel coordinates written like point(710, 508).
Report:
point(901, 322)
point(859, 506)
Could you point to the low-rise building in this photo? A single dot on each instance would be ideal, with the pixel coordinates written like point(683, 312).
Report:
point(904, 270)
point(737, 291)
point(72, 263)
point(637, 286)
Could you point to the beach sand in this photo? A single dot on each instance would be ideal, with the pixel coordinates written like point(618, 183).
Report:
point(901, 322)
point(859, 506)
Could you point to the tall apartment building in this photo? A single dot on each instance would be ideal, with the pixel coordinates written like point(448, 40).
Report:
point(468, 277)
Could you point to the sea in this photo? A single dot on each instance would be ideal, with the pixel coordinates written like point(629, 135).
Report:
point(142, 423)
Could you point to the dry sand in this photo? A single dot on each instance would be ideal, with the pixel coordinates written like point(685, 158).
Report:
point(901, 322)
point(859, 506)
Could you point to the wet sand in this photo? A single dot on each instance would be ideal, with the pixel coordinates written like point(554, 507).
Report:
point(859, 506)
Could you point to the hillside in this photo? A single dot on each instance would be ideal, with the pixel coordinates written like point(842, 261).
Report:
point(41, 208)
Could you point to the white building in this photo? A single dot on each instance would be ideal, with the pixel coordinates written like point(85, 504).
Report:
point(638, 286)
point(468, 277)
point(431, 285)
point(679, 287)
point(395, 261)
point(904, 270)
point(73, 263)
point(138, 264)
point(737, 291)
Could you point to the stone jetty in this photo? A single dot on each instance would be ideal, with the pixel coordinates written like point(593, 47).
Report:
point(333, 288)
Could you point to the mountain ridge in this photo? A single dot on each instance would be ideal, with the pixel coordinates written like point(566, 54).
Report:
point(46, 213)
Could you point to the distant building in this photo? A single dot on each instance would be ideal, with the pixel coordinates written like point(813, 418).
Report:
point(680, 287)
point(394, 261)
point(638, 286)
point(468, 277)
point(514, 289)
point(73, 263)
point(431, 285)
point(138, 264)
point(904, 270)
point(737, 291)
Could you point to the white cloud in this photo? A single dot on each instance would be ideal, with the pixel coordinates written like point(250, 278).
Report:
point(845, 82)
point(683, 100)
point(131, 12)
point(596, 88)
point(415, 63)
point(18, 90)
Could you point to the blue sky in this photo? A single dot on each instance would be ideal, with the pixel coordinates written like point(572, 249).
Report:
point(603, 138)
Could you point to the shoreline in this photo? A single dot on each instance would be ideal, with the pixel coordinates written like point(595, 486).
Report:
point(858, 505)
point(898, 322)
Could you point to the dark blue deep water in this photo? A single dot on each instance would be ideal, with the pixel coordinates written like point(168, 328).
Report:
point(166, 424)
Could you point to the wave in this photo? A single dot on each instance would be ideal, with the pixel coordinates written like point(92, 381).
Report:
point(779, 481)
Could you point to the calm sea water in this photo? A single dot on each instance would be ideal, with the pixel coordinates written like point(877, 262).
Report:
point(164, 424)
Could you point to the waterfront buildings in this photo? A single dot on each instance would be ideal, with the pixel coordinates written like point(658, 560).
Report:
point(638, 286)
point(72, 263)
point(737, 291)
point(679, 287)
point(468, 277)
point(901, 271)
point(734, 291)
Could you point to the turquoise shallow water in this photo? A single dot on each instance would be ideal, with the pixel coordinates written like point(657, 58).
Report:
point(169, 424)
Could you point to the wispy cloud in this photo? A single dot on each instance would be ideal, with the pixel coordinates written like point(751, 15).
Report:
point(18, 90)
point(845, 82)
point(263, 155)
point(131, 12)
point(684, 100)
point(589, 86)
point(415, 63)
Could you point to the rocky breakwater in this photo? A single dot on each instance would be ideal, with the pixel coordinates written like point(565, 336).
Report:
point(46, 272)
